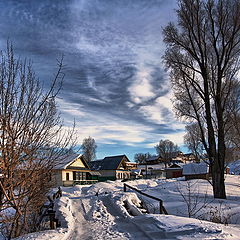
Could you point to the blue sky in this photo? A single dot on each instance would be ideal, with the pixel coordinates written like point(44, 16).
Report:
point(115, 87)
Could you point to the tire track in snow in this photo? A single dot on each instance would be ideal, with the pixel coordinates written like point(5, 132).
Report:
point(124, 223)
point(89, 220)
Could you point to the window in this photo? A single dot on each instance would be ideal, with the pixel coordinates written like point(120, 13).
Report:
point(67, 176)
point(79, 176)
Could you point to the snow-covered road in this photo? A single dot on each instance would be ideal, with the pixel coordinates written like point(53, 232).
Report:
point(97, 212)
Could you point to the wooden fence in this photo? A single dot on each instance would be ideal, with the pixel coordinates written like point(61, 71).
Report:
point(162, 209)
point(48, 210)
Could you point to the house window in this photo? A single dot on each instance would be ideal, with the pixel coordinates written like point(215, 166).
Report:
point(67, 176)
point(79, 176)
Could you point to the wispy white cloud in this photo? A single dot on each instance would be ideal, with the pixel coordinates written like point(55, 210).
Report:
point(141, 89)
point(160, 111)
point(104, 128)
point(176, 137)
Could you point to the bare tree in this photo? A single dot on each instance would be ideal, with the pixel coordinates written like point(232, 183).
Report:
point(195, 202)
point(32, 140)
point(193, 141)
point(141, 157)
point(166, 149)
point(203, 58)
point(89, 149)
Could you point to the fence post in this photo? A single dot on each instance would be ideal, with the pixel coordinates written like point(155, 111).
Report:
point(124, 187)
point(51, 215)
point(161, 207)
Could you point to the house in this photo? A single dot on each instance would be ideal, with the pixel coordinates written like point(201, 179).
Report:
point(153, 170)
point(196, 171)
point(112, 168)
point(152, 160)
point(174, 171)
point(73, 170)
point(131, 165)
point(189, 157)
point(177, 156)
point(177, 162)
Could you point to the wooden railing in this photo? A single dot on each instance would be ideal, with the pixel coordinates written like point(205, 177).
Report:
point(78, 182)
point(162, 209)
point(84, 182)
point(47, 210)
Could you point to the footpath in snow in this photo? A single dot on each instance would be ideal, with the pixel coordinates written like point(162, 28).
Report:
point(97, 212)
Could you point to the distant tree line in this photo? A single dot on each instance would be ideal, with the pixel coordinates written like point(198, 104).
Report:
point(165, 149)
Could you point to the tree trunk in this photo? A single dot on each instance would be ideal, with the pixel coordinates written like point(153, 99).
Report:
point(219, 160)
point(218, 181)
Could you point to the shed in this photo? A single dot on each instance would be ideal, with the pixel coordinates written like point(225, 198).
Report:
point(196, 171)
point(174, 171)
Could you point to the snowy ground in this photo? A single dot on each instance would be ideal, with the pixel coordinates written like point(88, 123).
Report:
point(97, 212)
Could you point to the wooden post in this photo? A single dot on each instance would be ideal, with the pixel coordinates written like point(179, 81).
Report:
point(161, 207)
point(51, 217)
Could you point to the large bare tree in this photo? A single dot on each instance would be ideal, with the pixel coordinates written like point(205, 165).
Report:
point(32, 142)
point(141, 157)
point(166, 149)
point(203, 58)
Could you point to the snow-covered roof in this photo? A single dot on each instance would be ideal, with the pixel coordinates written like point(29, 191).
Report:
point(152, 158)
point(195, 168)
point(66, 161)
point(152, 166)
point(235, 167)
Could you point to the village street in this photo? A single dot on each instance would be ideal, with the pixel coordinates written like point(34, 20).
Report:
point(98, 212)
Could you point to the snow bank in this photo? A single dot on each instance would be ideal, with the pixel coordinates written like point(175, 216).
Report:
point(174, 227)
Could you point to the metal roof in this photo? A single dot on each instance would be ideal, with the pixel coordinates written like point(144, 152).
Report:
point(108, 163)
point(152, 158)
